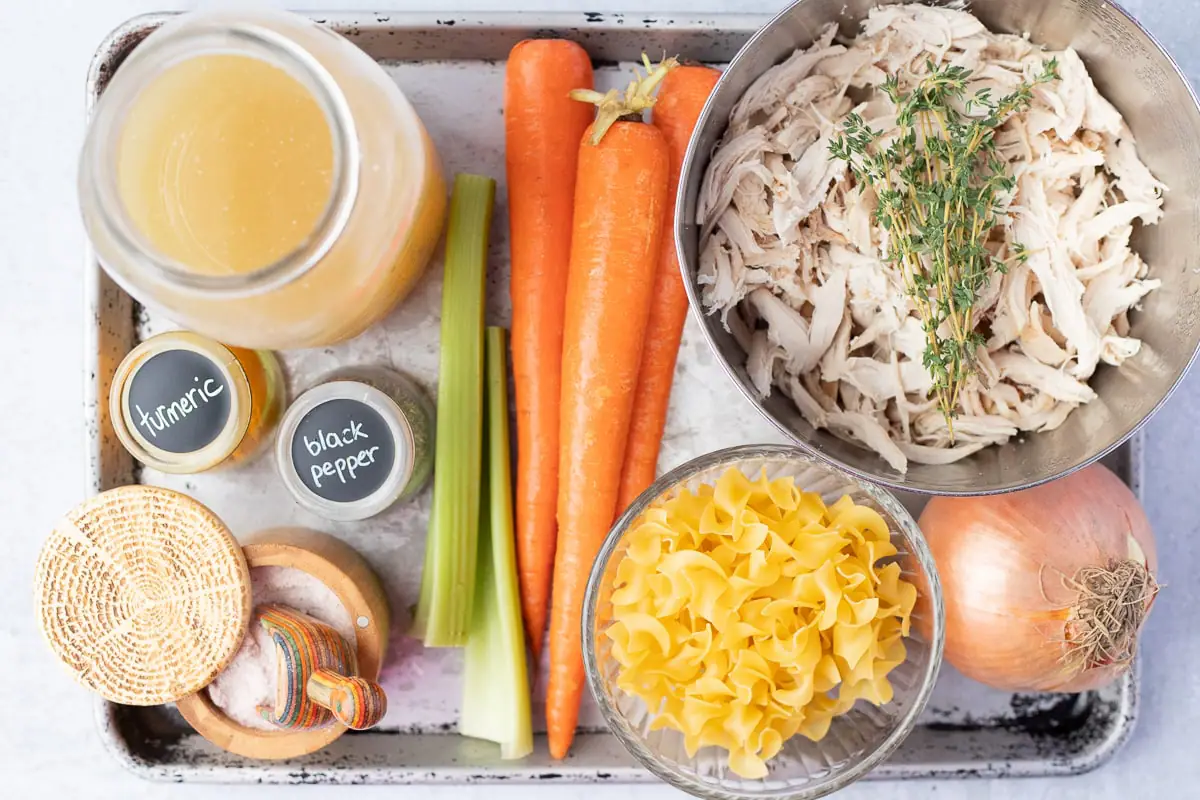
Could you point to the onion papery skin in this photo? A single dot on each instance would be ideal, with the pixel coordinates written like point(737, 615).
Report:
point(1002, 561)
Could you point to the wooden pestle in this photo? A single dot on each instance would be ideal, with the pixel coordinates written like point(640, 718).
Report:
point(317, 680)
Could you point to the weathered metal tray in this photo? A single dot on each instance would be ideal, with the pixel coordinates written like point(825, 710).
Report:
point(452, 70)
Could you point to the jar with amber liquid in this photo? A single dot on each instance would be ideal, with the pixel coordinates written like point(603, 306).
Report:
point(183, 403)
point(260, 180)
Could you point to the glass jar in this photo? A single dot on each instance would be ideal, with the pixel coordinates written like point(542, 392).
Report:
point(260, 180)
point(356, 443)
point(183, 403)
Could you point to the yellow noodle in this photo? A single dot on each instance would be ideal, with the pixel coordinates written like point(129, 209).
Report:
point(747, 612)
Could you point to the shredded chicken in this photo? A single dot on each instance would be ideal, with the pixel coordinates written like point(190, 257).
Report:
point(792, 258)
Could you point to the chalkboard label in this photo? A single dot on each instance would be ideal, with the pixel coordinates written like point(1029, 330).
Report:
point(343, 450)
point(179, 401)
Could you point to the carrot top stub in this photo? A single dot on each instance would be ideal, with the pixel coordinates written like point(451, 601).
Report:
point(638, 97)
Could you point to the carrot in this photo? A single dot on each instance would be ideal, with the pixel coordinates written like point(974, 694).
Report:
point(543, 127)
point(680, 101)
point(620, 199)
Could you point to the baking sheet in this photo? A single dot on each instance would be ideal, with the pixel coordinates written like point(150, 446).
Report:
point(966, 731)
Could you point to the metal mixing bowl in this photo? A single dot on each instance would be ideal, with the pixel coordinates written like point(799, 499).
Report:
point(1144, 83)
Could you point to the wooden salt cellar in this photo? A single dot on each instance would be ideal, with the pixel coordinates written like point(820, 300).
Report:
point(350, 578)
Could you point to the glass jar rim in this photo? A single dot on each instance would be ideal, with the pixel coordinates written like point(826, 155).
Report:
point(174, 43)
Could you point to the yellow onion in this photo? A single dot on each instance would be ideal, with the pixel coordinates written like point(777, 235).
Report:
point(1046, 589)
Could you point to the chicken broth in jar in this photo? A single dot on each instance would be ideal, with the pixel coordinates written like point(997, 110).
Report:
point(260, 180)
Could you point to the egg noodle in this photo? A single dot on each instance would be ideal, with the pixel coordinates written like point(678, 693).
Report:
point(749, 611)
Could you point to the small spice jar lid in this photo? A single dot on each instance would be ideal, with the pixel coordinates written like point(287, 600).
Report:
point(183, 403)
point(143, 594)
point(352, 446)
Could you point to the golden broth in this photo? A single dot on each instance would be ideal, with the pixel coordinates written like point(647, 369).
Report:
point(225, 163)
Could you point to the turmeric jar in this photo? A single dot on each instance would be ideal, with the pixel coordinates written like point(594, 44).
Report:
point(183, 403)
point(260, 180)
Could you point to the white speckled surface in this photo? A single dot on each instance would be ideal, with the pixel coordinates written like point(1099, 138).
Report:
point(45, 47)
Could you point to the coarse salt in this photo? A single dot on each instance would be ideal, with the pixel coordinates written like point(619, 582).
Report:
point(249, 680)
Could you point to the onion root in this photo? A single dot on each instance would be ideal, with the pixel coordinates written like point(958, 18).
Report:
point(1113, 604)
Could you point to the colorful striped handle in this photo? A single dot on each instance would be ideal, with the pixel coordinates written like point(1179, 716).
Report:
point(316, 680)
point(355, 702)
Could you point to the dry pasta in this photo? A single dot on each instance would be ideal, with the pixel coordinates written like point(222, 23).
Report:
point(749, 611)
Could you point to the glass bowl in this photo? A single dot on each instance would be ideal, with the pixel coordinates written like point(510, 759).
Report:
point(858, 740)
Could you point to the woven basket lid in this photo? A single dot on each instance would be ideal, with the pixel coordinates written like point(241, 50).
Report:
point(143, 594)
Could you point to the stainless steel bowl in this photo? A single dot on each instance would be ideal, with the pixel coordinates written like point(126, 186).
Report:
point(1144, 83)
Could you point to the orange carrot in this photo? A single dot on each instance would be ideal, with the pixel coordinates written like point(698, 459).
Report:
point(543, 128)
point(620, 200)
point(680, 101)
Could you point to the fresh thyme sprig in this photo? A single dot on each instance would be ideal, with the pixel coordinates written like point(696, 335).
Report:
point(941, 187)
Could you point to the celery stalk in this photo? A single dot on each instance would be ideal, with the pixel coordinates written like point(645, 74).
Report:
point(443, 616)
point(495, 680)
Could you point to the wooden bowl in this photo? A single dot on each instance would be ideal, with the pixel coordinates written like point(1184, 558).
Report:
point(348, 575)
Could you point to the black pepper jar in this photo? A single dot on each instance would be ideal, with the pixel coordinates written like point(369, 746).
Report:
point(357, 442)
